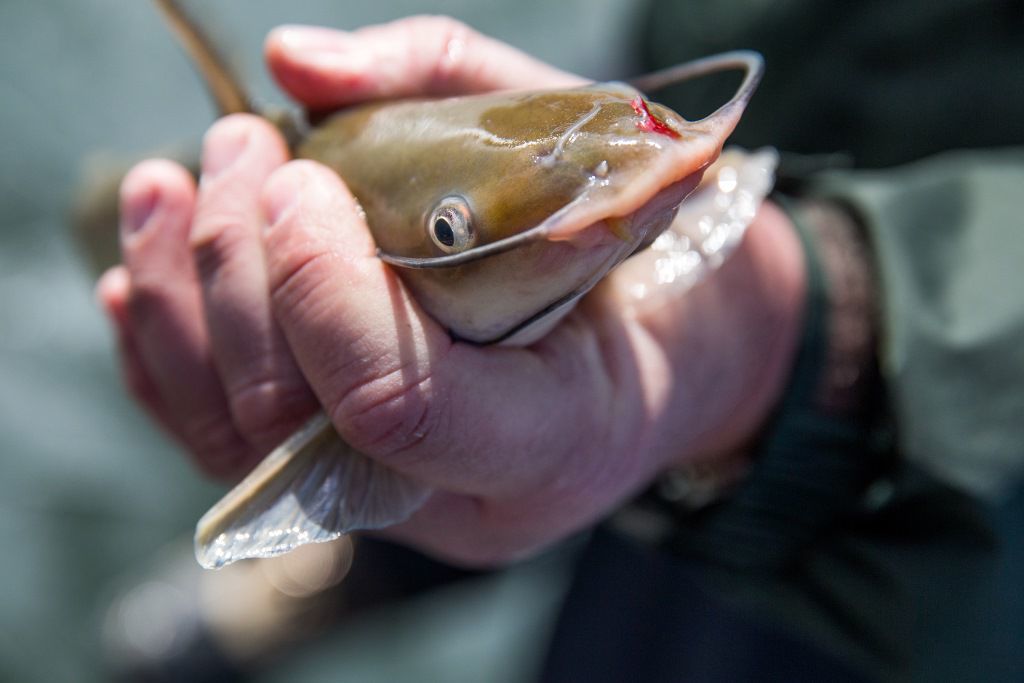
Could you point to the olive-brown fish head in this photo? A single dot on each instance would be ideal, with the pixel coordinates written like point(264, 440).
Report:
point(500, 210)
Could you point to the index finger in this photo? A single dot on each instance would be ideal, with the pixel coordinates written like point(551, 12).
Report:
point(417, 56)
point(396, 386)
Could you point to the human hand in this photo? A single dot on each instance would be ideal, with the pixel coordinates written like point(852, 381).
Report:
point(223, 323)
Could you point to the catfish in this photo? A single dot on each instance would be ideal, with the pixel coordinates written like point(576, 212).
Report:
point(499, 212)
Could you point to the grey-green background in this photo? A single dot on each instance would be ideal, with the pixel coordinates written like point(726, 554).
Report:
point(88, 489)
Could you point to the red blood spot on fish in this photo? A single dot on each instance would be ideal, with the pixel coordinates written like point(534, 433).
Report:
point(649, 121)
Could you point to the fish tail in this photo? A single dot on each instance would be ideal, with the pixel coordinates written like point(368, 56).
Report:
point(312, 488)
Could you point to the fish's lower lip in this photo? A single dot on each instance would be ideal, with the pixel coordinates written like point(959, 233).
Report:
point(652, 218)
point(656, 214)
point(672, 195)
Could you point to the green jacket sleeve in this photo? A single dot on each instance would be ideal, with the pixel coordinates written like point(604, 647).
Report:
point(947, 234)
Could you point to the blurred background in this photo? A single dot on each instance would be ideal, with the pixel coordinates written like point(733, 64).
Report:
point(97, 508)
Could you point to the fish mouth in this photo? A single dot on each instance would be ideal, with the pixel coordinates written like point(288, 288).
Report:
point(645, 224)
point(557, 226)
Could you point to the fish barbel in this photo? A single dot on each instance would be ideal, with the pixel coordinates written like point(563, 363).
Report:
point(498, 211)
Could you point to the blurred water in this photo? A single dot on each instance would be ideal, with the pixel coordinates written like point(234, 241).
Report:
point(87, 488)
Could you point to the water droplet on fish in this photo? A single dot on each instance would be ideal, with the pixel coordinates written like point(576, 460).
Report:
point(727, 179)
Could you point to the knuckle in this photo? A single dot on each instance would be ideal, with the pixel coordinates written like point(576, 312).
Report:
point(215, 240)
point(450, 41)
point(297, 277)
point(150, 303)
point(391, 422)
point(217, 447)
point(265, 406)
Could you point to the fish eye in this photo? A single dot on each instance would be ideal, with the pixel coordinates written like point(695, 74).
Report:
point(451, 225)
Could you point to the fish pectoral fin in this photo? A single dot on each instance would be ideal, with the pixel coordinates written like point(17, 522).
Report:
point(312, 488)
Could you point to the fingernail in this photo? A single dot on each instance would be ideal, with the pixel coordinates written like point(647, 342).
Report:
point(111, 286)
point(323, 47)
point(137, 205)
point(223, 146)
point(315, 38)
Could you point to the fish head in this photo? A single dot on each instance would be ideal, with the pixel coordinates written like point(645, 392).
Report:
point(499, 211)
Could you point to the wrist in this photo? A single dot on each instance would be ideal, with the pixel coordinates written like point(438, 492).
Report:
point(769, 319)
point(829, 372)
point(731, 367)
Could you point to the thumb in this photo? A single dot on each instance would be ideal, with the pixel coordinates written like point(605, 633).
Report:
point(366, 348)
point(417, 56)
point(459, 417)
